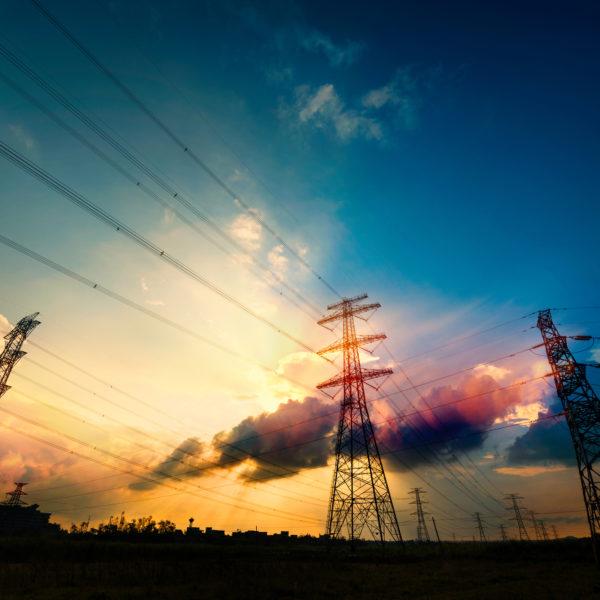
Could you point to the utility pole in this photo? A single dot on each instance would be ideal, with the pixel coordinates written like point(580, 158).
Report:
point(422, 532)
point(12, 348)
point(543, 531)
point(554, 532)
point(360, 496)
point(14, 497)
point(480, 528)
point(514, 499)
point(503, 535)
point(582, 411)
point(538, 535)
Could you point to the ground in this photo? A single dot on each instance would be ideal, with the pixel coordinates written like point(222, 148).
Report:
point(91, 569)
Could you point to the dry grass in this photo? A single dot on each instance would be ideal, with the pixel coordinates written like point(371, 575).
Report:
point(103, 570)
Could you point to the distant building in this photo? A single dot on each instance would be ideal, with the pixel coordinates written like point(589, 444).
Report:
point(214, 533)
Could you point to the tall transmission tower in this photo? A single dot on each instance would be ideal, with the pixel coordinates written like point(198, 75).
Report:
point(14, 497)
point(582, 411)
point(543, 531)
point(360, 496)
point(12, 348)
point(422, 532)
point(503, 535)
point(536, 526)
point(514, 499)
point(554, 532)
point(480, 528)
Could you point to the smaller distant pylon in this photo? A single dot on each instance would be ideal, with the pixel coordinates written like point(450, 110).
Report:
point(14, 497)
point(422, 532)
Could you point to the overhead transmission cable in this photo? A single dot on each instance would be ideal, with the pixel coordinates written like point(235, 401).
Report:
point(140, 308)
point(186, 148)
point(105, 217)
point(175, 195)
point(385, 453)
point(137, 475)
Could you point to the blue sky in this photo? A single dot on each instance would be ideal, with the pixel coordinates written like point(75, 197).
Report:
point(443, 158)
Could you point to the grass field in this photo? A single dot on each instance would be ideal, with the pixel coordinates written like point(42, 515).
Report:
point(95, 569)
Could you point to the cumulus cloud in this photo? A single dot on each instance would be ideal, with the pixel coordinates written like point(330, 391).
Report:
point(324, 109)
point(280, 450)
point(183, 462)
point(247, 231)
point(547, 443)
point(338, 55)
point(462, 424)
point(394, 106)
point(294, 436)
point(278, 260)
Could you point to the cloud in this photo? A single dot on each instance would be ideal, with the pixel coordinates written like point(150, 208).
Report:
point(324, 109)
point(547, 442)
point(462, 423)
point(247, 231)
point(182, 462)
point(294, 436)
point(278, 260)
point(403, 96)
point(22, 136)
point(338, 55)
point(265, 435)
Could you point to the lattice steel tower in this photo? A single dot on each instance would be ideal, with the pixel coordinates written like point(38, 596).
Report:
point(514, 499)
point(12, 349)
point(536, 527)
point(582, 411)
point(360, 497)
point(480, 527)
point(422, 532)
point(14, 497)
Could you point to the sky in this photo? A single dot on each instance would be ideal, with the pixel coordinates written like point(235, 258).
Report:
point(443, 159)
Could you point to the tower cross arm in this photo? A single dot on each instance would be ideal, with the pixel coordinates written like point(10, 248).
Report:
point(365, 374)
point(359, 341)
point(348, 310)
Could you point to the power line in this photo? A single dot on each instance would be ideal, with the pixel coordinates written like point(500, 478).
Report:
point(177, 140)
point(103, 216)
point(250, 262)
point(138, 307)
point(136, 464)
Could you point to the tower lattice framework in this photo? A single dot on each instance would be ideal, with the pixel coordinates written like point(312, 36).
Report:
point(12, 348)
point(422, 531)
point(582, 412)
point(480, 528)
point(360, 499)
point(518, 518)
point(14, 497)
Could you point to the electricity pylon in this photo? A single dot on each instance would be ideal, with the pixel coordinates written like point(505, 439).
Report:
point(582, 411)
point(14, 497)
point(422, 532)
point(480, 528)
point(536, 528)
point(503, 535)
point(523, 535)
point(554, 532)
point(360, 496)
point(12, 348)
point(543, 531)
